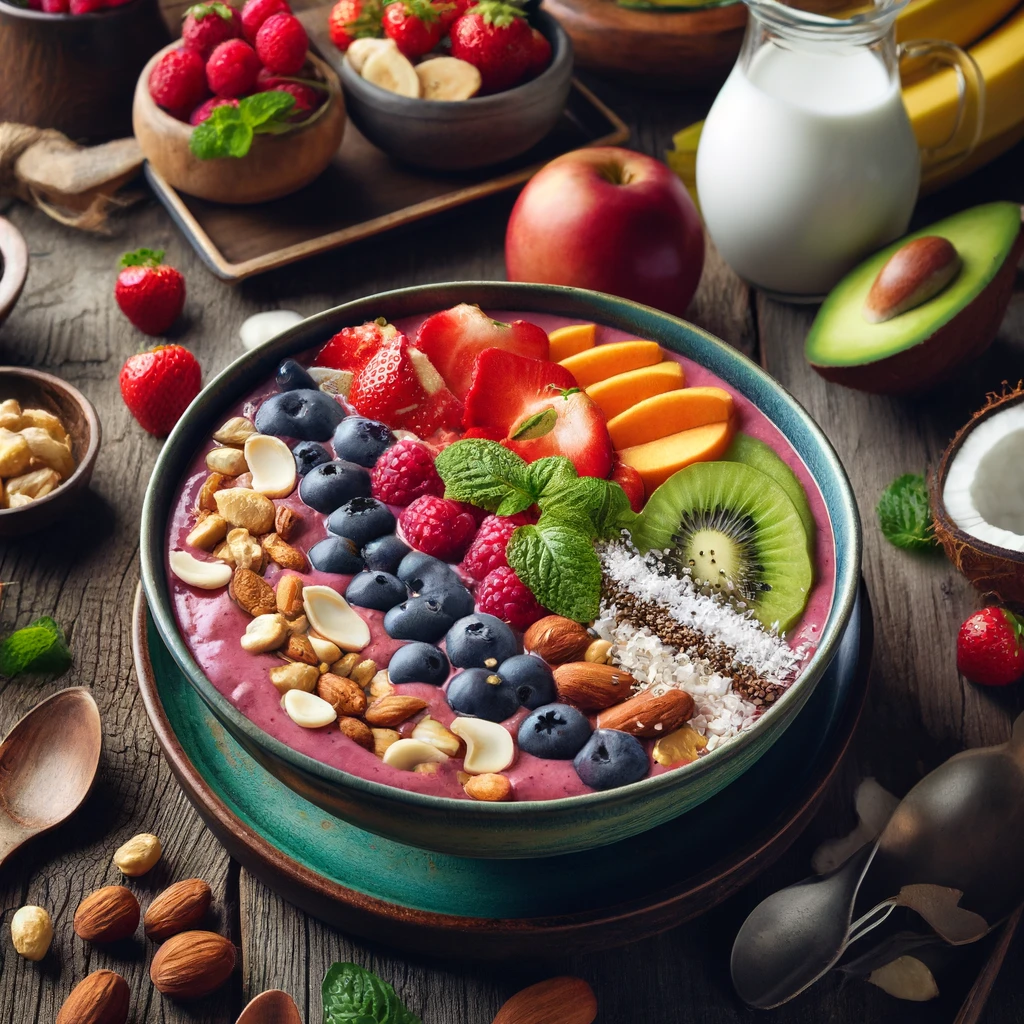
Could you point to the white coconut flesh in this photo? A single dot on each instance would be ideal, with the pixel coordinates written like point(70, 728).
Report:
point(984, 490)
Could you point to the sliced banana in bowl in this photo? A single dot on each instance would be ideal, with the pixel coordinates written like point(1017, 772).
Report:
point(447, 79)
point(388, 68)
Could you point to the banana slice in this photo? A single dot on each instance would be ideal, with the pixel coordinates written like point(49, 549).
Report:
point(361, 50)
point(390, 70)
point(447, 78)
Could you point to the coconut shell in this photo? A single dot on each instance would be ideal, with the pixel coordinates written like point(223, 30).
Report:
point(991, 569)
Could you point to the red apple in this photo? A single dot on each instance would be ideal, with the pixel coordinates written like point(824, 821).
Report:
point(612, 220)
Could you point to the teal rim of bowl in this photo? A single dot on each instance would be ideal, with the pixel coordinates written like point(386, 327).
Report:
point(771, 398)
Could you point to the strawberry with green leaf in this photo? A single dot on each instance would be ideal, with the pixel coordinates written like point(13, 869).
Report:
point(354, 19)
point(495, 38)
point(207, 25)
point(149, 292)
point(414, 25)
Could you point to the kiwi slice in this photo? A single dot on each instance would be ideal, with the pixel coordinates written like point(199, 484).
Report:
point(751, 452)
point(737, 532)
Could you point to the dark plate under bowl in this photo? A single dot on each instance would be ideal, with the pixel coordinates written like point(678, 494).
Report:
point(528, 828)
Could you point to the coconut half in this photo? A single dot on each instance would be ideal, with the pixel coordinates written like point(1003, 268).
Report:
point(978, 498)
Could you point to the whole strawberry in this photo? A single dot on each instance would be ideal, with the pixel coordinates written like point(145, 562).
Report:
point(255, 12)
point(540, 54)
point(150, 293)
point(989, 647)
point(207, 107)
point(438, 527)
point(353, 19)
point(282, 44)
point(450, 11)
point(232, 68)
point(414, 25)
point(158, 385)
point(306, 99)
point(495, 37)
point(207, 25)
point(178, 82)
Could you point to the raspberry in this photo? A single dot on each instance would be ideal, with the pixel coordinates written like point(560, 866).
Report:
point(207, 25)
point(487, 552)
point(255, 12)
point(282, 44)
point(404, 473)
point(178, 82)
point(207, 107)
point(232, 68)
point(437, 527)
point(504, 595)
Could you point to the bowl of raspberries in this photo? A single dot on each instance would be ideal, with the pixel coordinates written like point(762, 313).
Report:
point(451, 85)
point(239, 110)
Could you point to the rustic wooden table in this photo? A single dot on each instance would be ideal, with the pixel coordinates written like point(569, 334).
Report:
point(84, 574)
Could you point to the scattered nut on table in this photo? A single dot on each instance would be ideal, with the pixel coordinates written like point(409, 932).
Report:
point(138, 855)
point(31, 932)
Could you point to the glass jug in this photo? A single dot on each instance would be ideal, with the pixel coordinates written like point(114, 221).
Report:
point(807, 161)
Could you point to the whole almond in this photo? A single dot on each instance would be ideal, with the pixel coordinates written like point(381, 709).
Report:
point(557, 639)
point(299, 648)
point(392, 710)
point(284, 554)
point(234, 431)
point(566, 1000)
point(357, 731)
point(592, 687)
point(252, 593)
point(193, 964)
point(289, 596)
point(177, 909)
point(107, 915)
point(286, 522)
point(102, 997)
point(648, 715)
point(345, 696)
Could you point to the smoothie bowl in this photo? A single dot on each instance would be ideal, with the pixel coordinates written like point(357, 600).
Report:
point(500, 585)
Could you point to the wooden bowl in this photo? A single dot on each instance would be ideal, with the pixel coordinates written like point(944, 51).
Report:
point(76, 72)
point(275, 166)
point(13, 267)
point(467, 134)
point(76, 412)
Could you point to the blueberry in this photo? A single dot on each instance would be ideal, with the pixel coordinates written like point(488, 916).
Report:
point(361, 520)
point(336, 554)
point(478, 639)
point(309, 455)
point(306, 414)
point(611, 758)
point(418, 663)
point(361, 440)
point(378, 590)
point(385, 553)
point(329, 486)
point(532, 678)
point(419, 618)
point(554, 731)
point(421, 572)
point(482, 694)
point(292, 377)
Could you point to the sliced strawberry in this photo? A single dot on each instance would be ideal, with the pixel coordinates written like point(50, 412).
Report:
point(539, 410)
point(399, 386)
point(454, 338)
point(352, 347)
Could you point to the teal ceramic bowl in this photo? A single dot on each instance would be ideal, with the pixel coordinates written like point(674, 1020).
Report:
point(528, 828)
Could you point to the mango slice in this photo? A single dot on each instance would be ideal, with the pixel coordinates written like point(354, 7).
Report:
point(669, 413)
point(571, 340)
point(656, 461)
point(616, 394)
point(605, 361)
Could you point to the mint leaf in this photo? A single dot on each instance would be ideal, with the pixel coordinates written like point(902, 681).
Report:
point(487, 475)
point(598, 507)
point(559, 565)
point(229, 130)
point(354, 995)
point(550, 476)
point(39, 647)
point(264, 107)
point(904, 515)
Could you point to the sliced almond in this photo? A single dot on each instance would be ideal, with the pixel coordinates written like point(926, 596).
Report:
point(235, 431)
point(360, 50)
point(447, 78)
point(272, 465)
point(204, 575)
point(389, 69)
point(337, 382)
point(324, 649)
point(489, 746)
point(226, 461)
point(334, 619)
point(245, 508)
point(406, 754)
point(308, 710)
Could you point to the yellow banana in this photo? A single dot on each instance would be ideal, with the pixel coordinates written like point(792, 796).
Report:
point(932, 181)
point(958, 21)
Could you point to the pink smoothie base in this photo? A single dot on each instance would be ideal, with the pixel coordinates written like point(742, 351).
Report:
point(212, 624)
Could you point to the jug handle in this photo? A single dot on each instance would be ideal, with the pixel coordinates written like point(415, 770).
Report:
point(970, 87)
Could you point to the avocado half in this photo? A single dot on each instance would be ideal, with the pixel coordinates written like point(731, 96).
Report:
point(919, 348)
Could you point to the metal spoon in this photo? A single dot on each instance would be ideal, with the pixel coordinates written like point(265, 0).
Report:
point(273, 1007)
point(48, 764)
point(564, 1000)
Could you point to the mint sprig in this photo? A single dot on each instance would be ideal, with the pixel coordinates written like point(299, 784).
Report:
point(229, 130)
point(904, 515)
point(354, 995)
point(39, 647)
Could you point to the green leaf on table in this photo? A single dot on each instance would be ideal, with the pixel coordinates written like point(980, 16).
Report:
point(39, 647)
point(904, 515)
point(229, 130)
point(354, 995)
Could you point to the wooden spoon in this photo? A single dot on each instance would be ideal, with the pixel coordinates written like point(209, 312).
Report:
point(562, 1000)
point(48, 764)
point(273, 1007)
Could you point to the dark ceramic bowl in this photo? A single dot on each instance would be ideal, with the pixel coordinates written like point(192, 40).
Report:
point(465, 134)
point(527, 828)
point(13, 267)
point(76, 412)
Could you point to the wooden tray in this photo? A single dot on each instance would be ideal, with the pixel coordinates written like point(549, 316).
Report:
point(362, 193)
point(489, 909)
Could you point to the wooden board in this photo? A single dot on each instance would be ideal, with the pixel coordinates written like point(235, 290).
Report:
point(363, 193)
